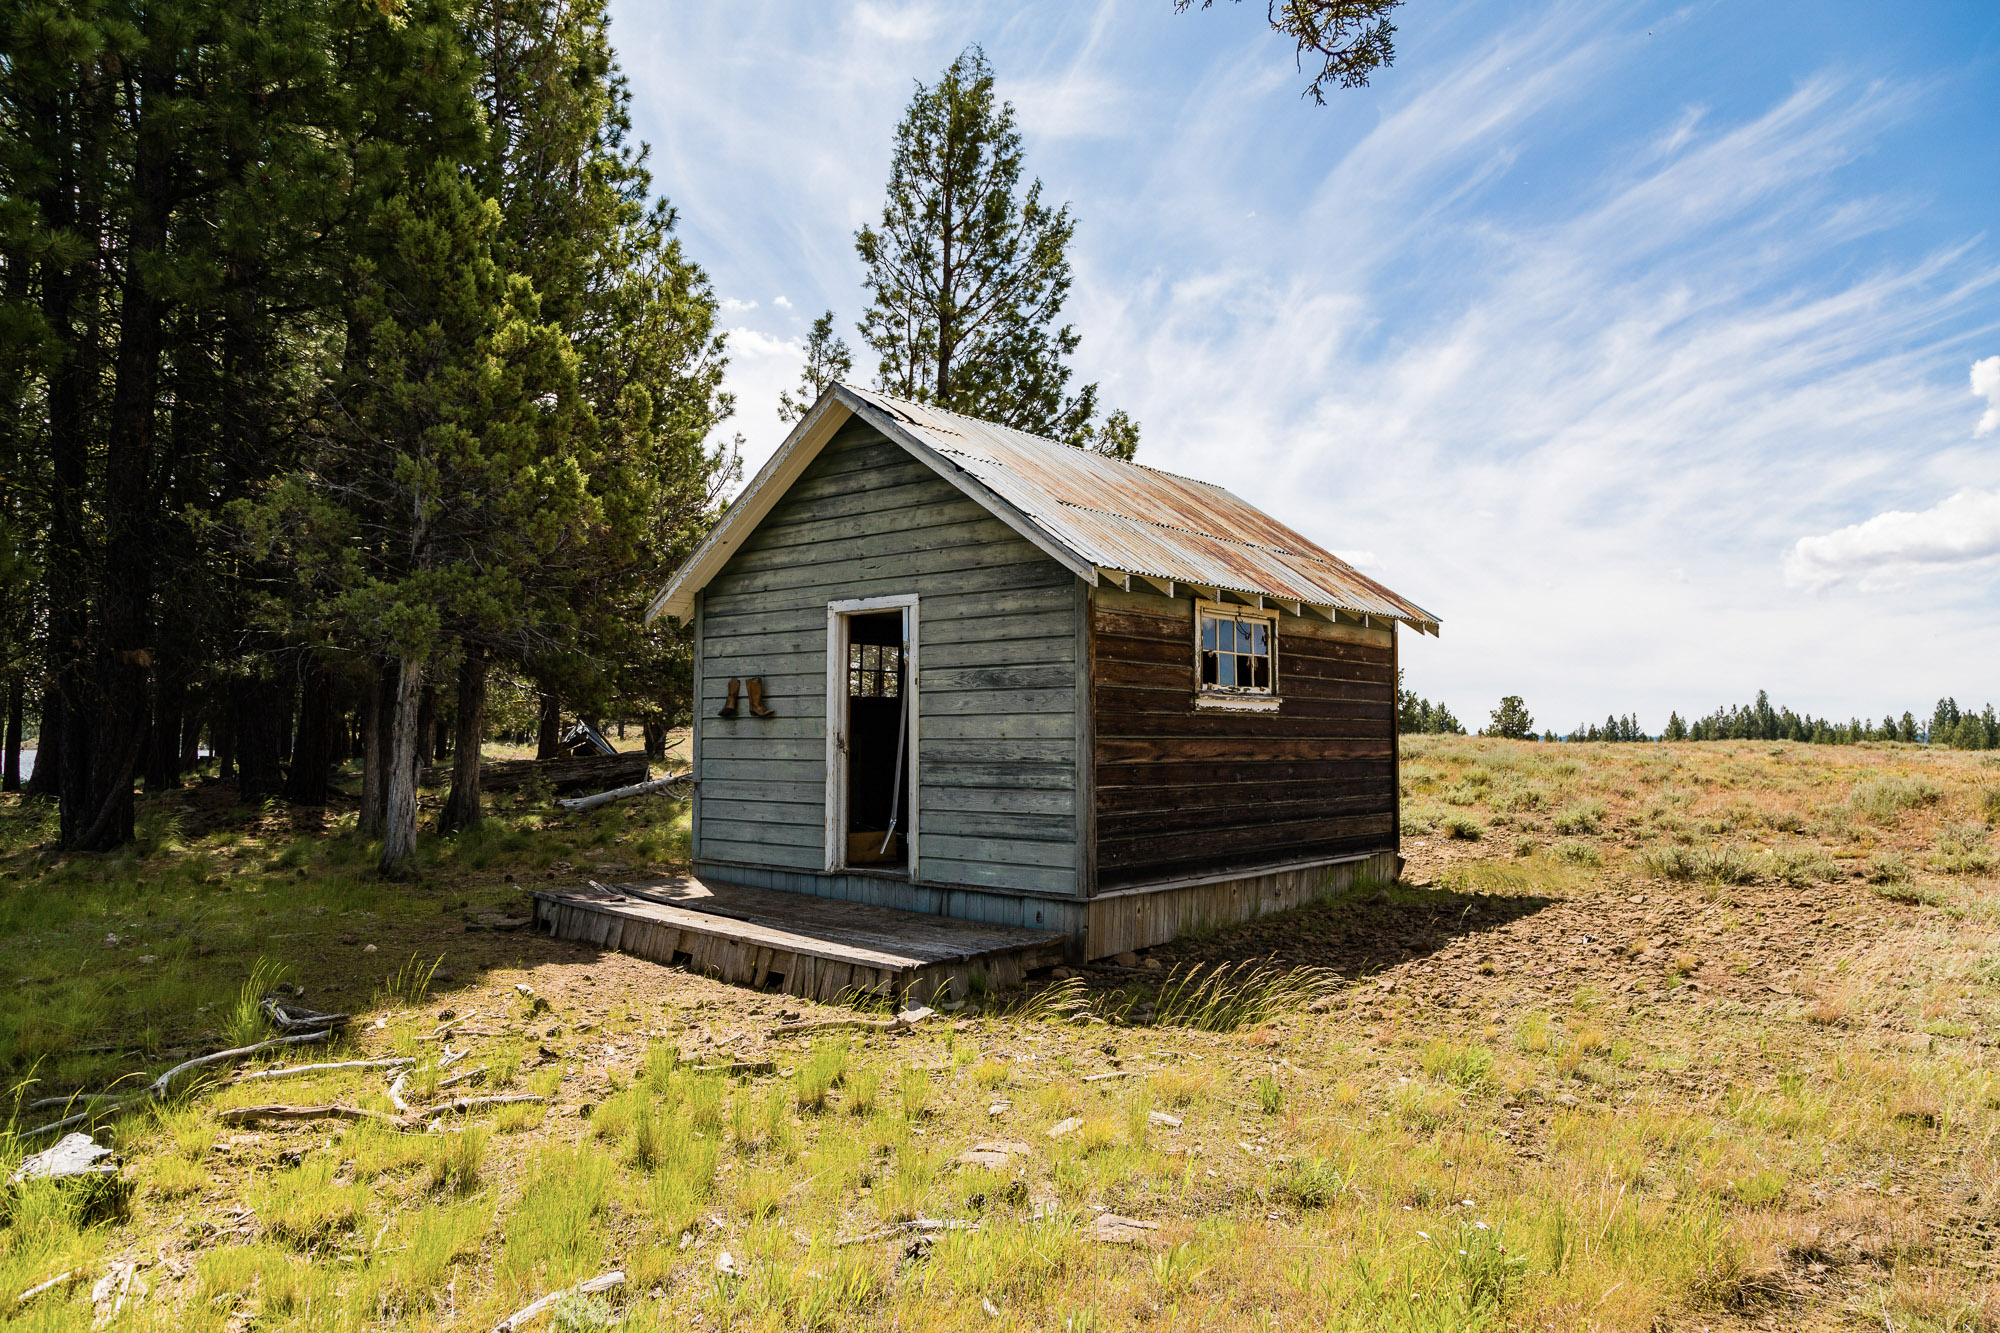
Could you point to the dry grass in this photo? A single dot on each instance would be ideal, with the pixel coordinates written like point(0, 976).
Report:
point(1699, 1043)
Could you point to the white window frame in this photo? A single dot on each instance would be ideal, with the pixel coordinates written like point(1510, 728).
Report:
point(1234, 698)
point(836, 725)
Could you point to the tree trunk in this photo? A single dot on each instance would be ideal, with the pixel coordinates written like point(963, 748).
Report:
point(399, 825)
point(312, 754)
point(130, 494)
point(374, 771)
point(656, 738)
point(10, 765)
point(427, 711)
point(547, 734)
point(254, 705)
point(461, 808)
point(163, 747)
point(190, 738)
point(222, 730)
point(45, 783)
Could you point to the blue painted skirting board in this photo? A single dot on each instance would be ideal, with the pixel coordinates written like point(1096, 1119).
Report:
point(1067, 915)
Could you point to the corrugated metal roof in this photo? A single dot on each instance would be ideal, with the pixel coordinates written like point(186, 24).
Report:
point(1138, 520)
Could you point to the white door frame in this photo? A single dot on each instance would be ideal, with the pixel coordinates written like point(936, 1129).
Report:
point(836, 721)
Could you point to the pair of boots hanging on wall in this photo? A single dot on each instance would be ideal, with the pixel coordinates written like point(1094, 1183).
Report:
point(757, 708)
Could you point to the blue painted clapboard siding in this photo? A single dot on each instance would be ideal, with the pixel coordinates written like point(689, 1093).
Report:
point(997, 694)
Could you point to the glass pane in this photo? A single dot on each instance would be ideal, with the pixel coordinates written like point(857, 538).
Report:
point(1208, 668)
point(1228, 663)
point(1242, 636)
point(1260, 634)
point(1208, 631)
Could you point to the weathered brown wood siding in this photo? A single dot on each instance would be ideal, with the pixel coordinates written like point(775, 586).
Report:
point(1183, 791)
point(997, 692)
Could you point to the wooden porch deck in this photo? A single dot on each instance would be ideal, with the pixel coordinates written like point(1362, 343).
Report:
point(818, 948)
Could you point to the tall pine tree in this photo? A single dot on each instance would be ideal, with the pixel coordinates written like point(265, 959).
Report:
point(969, 273)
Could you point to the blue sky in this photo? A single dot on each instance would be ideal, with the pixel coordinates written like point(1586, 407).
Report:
point(1638, 342)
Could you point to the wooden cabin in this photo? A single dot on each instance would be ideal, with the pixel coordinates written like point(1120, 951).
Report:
point(948, 667)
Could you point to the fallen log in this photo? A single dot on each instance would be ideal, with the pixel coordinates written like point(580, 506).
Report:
point(294, 1017)
point(158, 1087)
point(922, 1226)
point(582, 772)
point(459, 1105)
point(293, 1071)
point(908, 1018)
point(590, 1287)
point(250, 1115)
point(620, 793)
point(417, 1119)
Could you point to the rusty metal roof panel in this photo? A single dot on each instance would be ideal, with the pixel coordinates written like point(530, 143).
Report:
point(1139, 520)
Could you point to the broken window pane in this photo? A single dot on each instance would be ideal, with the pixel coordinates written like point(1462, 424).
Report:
point(1236, 652)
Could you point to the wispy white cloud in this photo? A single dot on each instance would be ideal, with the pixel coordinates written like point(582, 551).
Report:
point(1890, 547)
point(1573, 366)
point(1986, 384)
point(781, 302)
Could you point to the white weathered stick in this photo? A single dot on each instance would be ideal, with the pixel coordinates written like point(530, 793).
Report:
point(396, 1092)
point(923, 1226)
point(456, 1079)
point(293, 1071)
point(620, 793)
point(250, 1115)
point(461, 1104)
point(292, 1017)
point(906, 1019)
point(58, 1280)
point(602, 1282)
point(158, 1087)
point(75, 1099)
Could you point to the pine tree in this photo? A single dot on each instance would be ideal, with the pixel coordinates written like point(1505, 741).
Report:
point(828, 361)
point(578, 219)
point(1350, 39)
point(1512, 719)
point(450, 472)
point(968, 280)
point(1676, 729)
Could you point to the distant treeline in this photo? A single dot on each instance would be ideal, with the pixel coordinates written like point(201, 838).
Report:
point(1421, 716)
point(1949, 725)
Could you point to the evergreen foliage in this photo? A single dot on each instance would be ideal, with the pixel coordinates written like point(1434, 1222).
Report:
point(1512, 719)
point(1350, 39)
point(968, 273)
point(1421, 716)
point(827, 361)
point(1761, 721)
point(343, 352)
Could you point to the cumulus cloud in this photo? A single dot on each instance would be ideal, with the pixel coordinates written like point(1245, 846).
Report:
point(1897, 543)
point(781, 302)
point(1986, 384)
point(732, 306)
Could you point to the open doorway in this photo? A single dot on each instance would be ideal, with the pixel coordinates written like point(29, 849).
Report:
point(870, 783)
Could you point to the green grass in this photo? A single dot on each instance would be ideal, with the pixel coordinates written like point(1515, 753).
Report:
point(1464, 1147)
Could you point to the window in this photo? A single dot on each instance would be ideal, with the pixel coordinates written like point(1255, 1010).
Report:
point(1237, 650)
point(874, 670)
